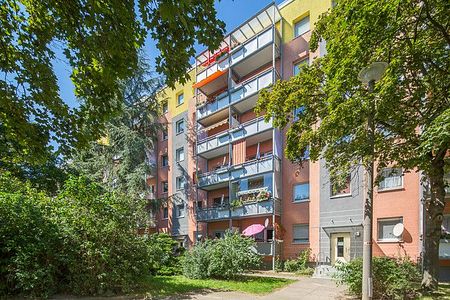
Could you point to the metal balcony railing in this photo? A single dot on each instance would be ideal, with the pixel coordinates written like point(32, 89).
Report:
point(239, 93)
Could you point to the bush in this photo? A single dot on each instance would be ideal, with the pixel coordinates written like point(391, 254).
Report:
point(164, 255)
point(228, 257)
point(83, 241)
point(392, 278)
point(299, 264)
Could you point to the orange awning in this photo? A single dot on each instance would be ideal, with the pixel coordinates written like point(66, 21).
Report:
point(210, 78)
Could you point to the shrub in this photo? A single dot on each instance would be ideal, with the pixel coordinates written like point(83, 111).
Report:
point(221, 258)
point(83, 241)
point(392, 278)
point(300, 263)
point(164, 255)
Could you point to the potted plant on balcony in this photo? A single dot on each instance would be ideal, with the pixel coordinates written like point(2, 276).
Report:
point(263, 196)
point(236, 203)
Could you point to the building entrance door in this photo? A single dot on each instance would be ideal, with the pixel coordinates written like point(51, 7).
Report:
point(340, 247)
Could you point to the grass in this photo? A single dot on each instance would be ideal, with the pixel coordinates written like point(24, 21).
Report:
point(443, 293)
point(161, 286)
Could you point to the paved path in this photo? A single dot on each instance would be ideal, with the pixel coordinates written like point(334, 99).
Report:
point(304, 289)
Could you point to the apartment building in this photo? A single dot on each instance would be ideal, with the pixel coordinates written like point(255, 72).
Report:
point(222, 167)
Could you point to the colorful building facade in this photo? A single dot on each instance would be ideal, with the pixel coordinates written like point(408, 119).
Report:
point(222, 167)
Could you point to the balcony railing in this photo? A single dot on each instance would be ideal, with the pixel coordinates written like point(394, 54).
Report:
point(252, 46)
point(238, 93)
point(243, 130)
point(249, 168)
point(266, 248)
point(248, 209)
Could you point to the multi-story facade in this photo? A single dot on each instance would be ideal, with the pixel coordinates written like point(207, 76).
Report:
point(221, 166)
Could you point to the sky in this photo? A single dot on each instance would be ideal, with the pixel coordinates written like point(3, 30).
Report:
point(232, 12)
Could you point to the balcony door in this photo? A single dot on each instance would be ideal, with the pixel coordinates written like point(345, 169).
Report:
point(340, 247)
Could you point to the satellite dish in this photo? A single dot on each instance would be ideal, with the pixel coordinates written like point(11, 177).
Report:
point(266, 222)
point(397, 231)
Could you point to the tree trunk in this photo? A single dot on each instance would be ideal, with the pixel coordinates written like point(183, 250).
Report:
point(433, 216)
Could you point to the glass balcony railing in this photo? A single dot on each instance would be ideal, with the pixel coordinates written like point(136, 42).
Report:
point(246, 210)
point(238, 93)
point(243, 130)
point(266, 248)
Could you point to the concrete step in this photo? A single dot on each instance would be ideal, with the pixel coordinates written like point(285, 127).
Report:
point(324, 271)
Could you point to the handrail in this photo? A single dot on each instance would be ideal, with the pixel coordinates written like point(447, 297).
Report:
point(271, 27)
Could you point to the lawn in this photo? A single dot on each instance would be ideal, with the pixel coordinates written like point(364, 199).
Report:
point(161, 286)
point(442, 294)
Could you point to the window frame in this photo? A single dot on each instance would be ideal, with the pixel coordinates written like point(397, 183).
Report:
point(182, 181)
point(293, 192)
point(180, 213)
point(388, 240)
point(389, 170)
point(176, 126)
point(341, 195)
point(165, 133)
point(177, 154)
point(293, 234)
point(165, 107)
point(298, 22)
point(163, 183)
point(178, 98)
point(165, 209)
point(302, 61)
point(162, 161)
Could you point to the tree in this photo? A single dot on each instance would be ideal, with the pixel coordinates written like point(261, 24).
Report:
point(100, 41)
point(121, 159)
point(412, 106)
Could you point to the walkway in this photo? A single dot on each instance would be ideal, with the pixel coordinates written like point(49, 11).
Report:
point(305, 288)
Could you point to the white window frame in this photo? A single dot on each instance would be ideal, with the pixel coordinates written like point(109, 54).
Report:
point(162, 161)
point(305, 241)
point(293, 193)
point(388, 171)
point(178, 152)
point(341, 195)
point(395, 220)
point(176, 126)
point(180, 182)
point(180, 212)
point(165, 133)
point(298, 23)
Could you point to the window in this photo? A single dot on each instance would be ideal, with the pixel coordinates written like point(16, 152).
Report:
point(180, 126)
point(219, 234)
point(180, 99)
point(386, 227)
point(165, 213)
point(164, 160)
point(300, 65)
point(340, 246)
point(301, 27)
point(165, 107)
point(220, 201)
point(341, 188)
point(301, 192)
point(180, 154)
point(256, 183)
point(446, 227)
point(179, 211)
point(180, 182)
point(165, 133)
point(165, 186)
point(391, 178)
point(199, 204)
point(269, 235)
point(300, 233)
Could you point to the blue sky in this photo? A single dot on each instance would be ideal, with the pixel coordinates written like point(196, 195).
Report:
point(232, 12)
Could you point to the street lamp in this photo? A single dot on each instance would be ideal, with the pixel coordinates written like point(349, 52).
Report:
point(369, 75)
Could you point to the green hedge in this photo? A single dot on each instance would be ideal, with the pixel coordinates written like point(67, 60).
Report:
point(82, 242)
point(227, 257)
point(392, 278)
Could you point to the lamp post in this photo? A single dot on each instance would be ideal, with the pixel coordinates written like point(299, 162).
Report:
point(369, 75)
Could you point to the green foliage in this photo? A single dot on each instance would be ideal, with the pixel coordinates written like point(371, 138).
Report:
point(99, 42)
point(392, 278)
point(164, 255)
point(412, 36)
point(300, 264)
point(83, 241)
point(227, 257)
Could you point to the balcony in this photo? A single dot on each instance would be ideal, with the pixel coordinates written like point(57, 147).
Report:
point(266, 248)
point(219, 178)
point(253, 209)
point(218, 144)
point(256, 52)
point(243, 97)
